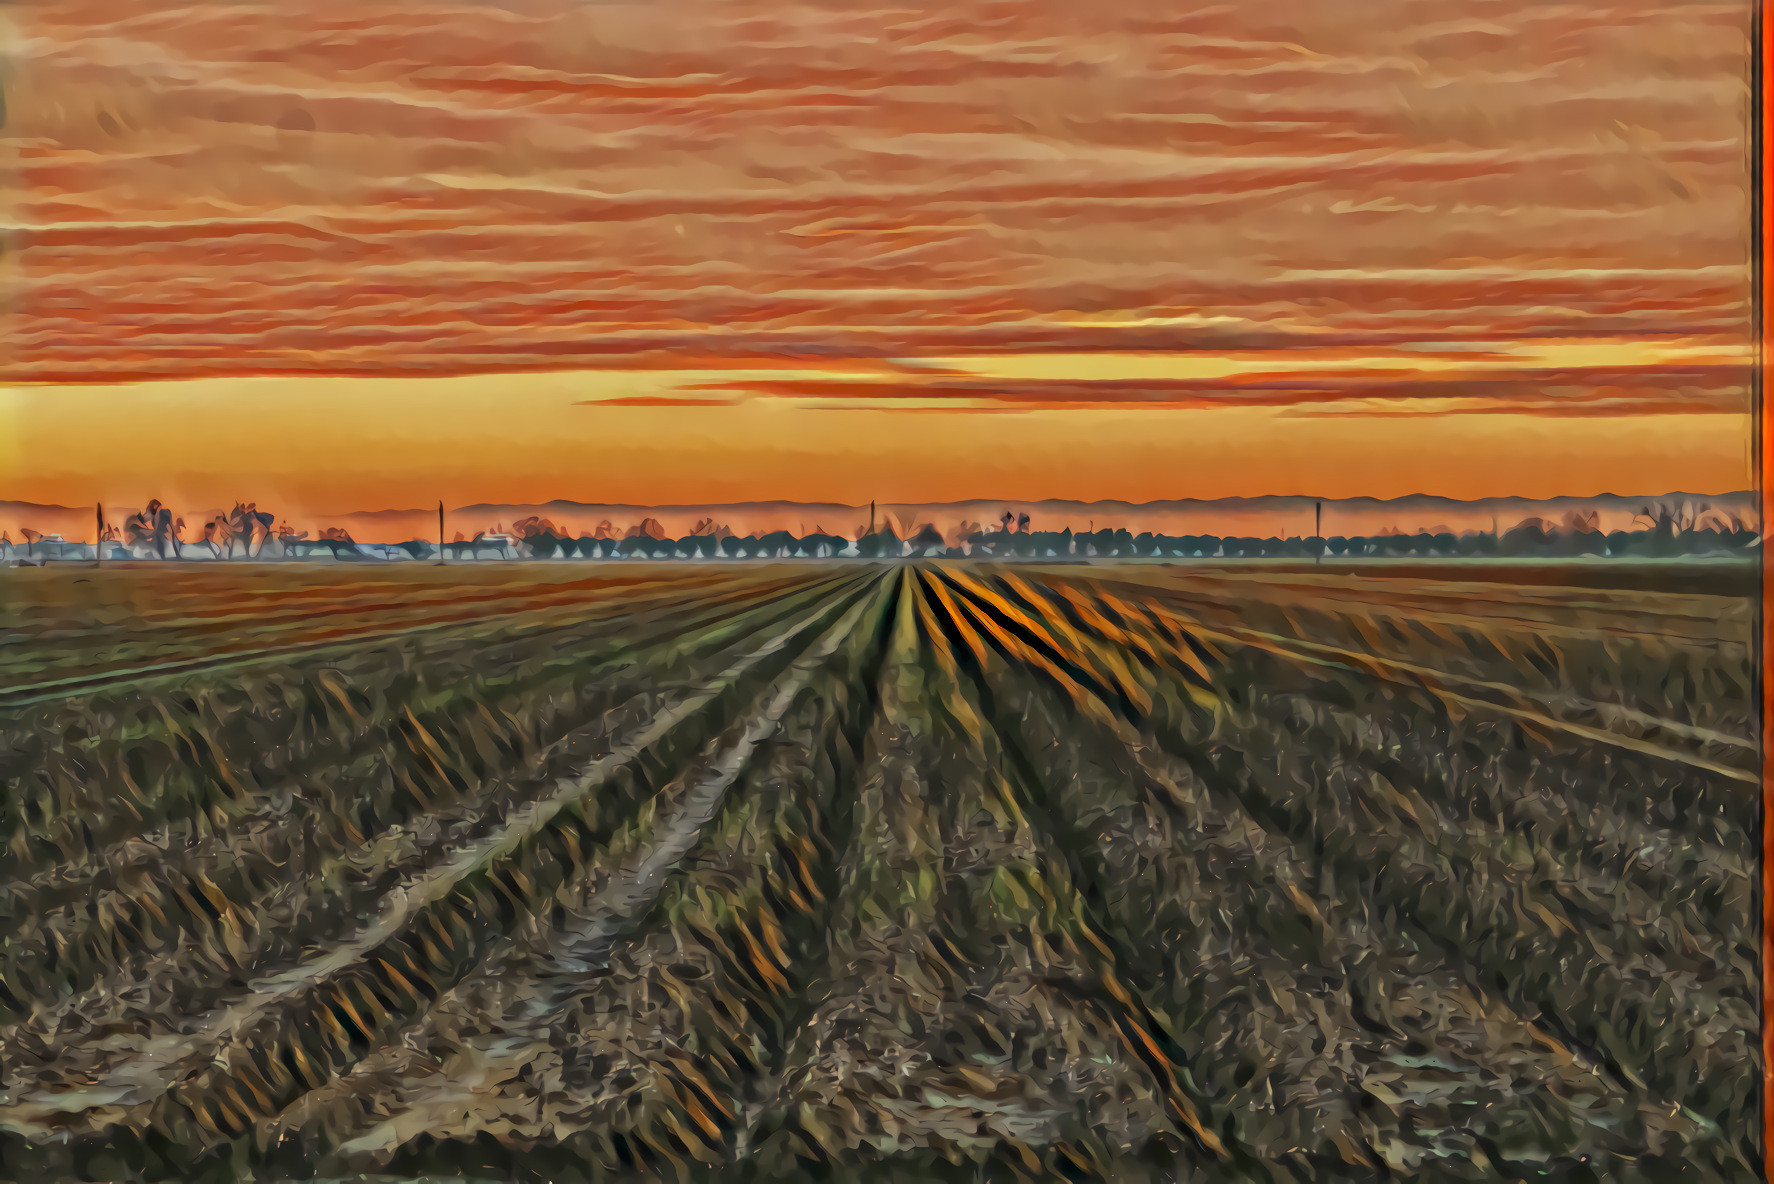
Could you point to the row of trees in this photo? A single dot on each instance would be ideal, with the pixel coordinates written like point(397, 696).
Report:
point(156, 532)
point(1526, 541)
point(245, 532)
point(240, 533)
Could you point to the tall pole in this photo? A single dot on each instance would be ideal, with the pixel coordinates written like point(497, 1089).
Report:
point(871, 516)
point(1318, 530)
point(440, 531)
point(98, 538)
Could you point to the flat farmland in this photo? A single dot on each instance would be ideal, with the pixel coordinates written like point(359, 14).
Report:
point(911, 871)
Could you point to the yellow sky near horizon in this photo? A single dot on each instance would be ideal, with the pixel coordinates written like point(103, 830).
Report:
point(323, 447)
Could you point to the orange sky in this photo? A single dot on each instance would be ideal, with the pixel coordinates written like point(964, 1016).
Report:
point(345, 254)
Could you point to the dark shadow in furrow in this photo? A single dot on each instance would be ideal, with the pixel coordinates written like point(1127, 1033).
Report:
point(1268, 671)
point(183, 908)
point(772, 1009)
point(1266, 817)
point(1123, 1003)
point(1475, 779)
point(880, 850)
point(405, 972)
point(1681, 792)
point(1288, 818)
point(1052, 603)
point(1112, 696)
point(784, 1148)
point(1676, 783)
point(1357, 657)
point(847, 747)
point(87, 727)
point(482, 905)
point(303, 782)
point(1392, 634)
point(1718, 1075)
point(24, 695)
point(1037, 803)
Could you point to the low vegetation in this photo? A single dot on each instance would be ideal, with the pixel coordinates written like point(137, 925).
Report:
point(918, 871)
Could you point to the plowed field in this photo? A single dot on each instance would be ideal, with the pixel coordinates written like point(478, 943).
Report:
point(852, 871)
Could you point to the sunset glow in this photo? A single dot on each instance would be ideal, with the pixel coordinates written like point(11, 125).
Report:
point(373, 254)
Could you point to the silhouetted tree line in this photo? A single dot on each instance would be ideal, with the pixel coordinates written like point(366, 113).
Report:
point(1528, 540)
point(1663, 529)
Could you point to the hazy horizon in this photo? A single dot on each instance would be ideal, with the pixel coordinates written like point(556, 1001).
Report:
point(1266, 515)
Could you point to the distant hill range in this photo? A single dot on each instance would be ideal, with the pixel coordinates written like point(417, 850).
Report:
point(1261, 517)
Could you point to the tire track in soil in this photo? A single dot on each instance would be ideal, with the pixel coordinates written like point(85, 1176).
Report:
point(161, 1062)
point(1292, 997)
point(1303, 876)
point(553, 962)
point(228, 931)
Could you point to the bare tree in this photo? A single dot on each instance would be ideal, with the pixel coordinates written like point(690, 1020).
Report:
point(287, 538)
point(168, 529)
point(218, 534)
point(1671, 517)
point(154, 527)
point(138, 528)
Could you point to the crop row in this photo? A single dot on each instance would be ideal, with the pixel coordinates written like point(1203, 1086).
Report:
point(935, 868)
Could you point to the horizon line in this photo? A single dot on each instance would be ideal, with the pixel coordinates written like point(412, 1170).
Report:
point(25, 504)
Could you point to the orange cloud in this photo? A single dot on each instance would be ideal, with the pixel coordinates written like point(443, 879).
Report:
point(747, 248)
point(576, 186)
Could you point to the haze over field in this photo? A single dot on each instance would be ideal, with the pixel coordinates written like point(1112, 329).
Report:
point(725, 873)
point(356, 253)
point(1283, 517)
point(1265, 516)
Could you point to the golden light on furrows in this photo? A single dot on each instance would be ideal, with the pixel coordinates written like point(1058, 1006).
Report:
point(841, 870)
point(1384, 210)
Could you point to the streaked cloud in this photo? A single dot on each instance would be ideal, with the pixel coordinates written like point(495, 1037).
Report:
point(372, 186)
point(1561, 378)
point(813, 251)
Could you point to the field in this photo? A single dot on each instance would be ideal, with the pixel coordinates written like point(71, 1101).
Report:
point(857, 871)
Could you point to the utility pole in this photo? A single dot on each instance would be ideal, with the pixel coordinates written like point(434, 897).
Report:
point(871, 517)
point(1318, 530)
point(440, 532)
point(98, 544)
